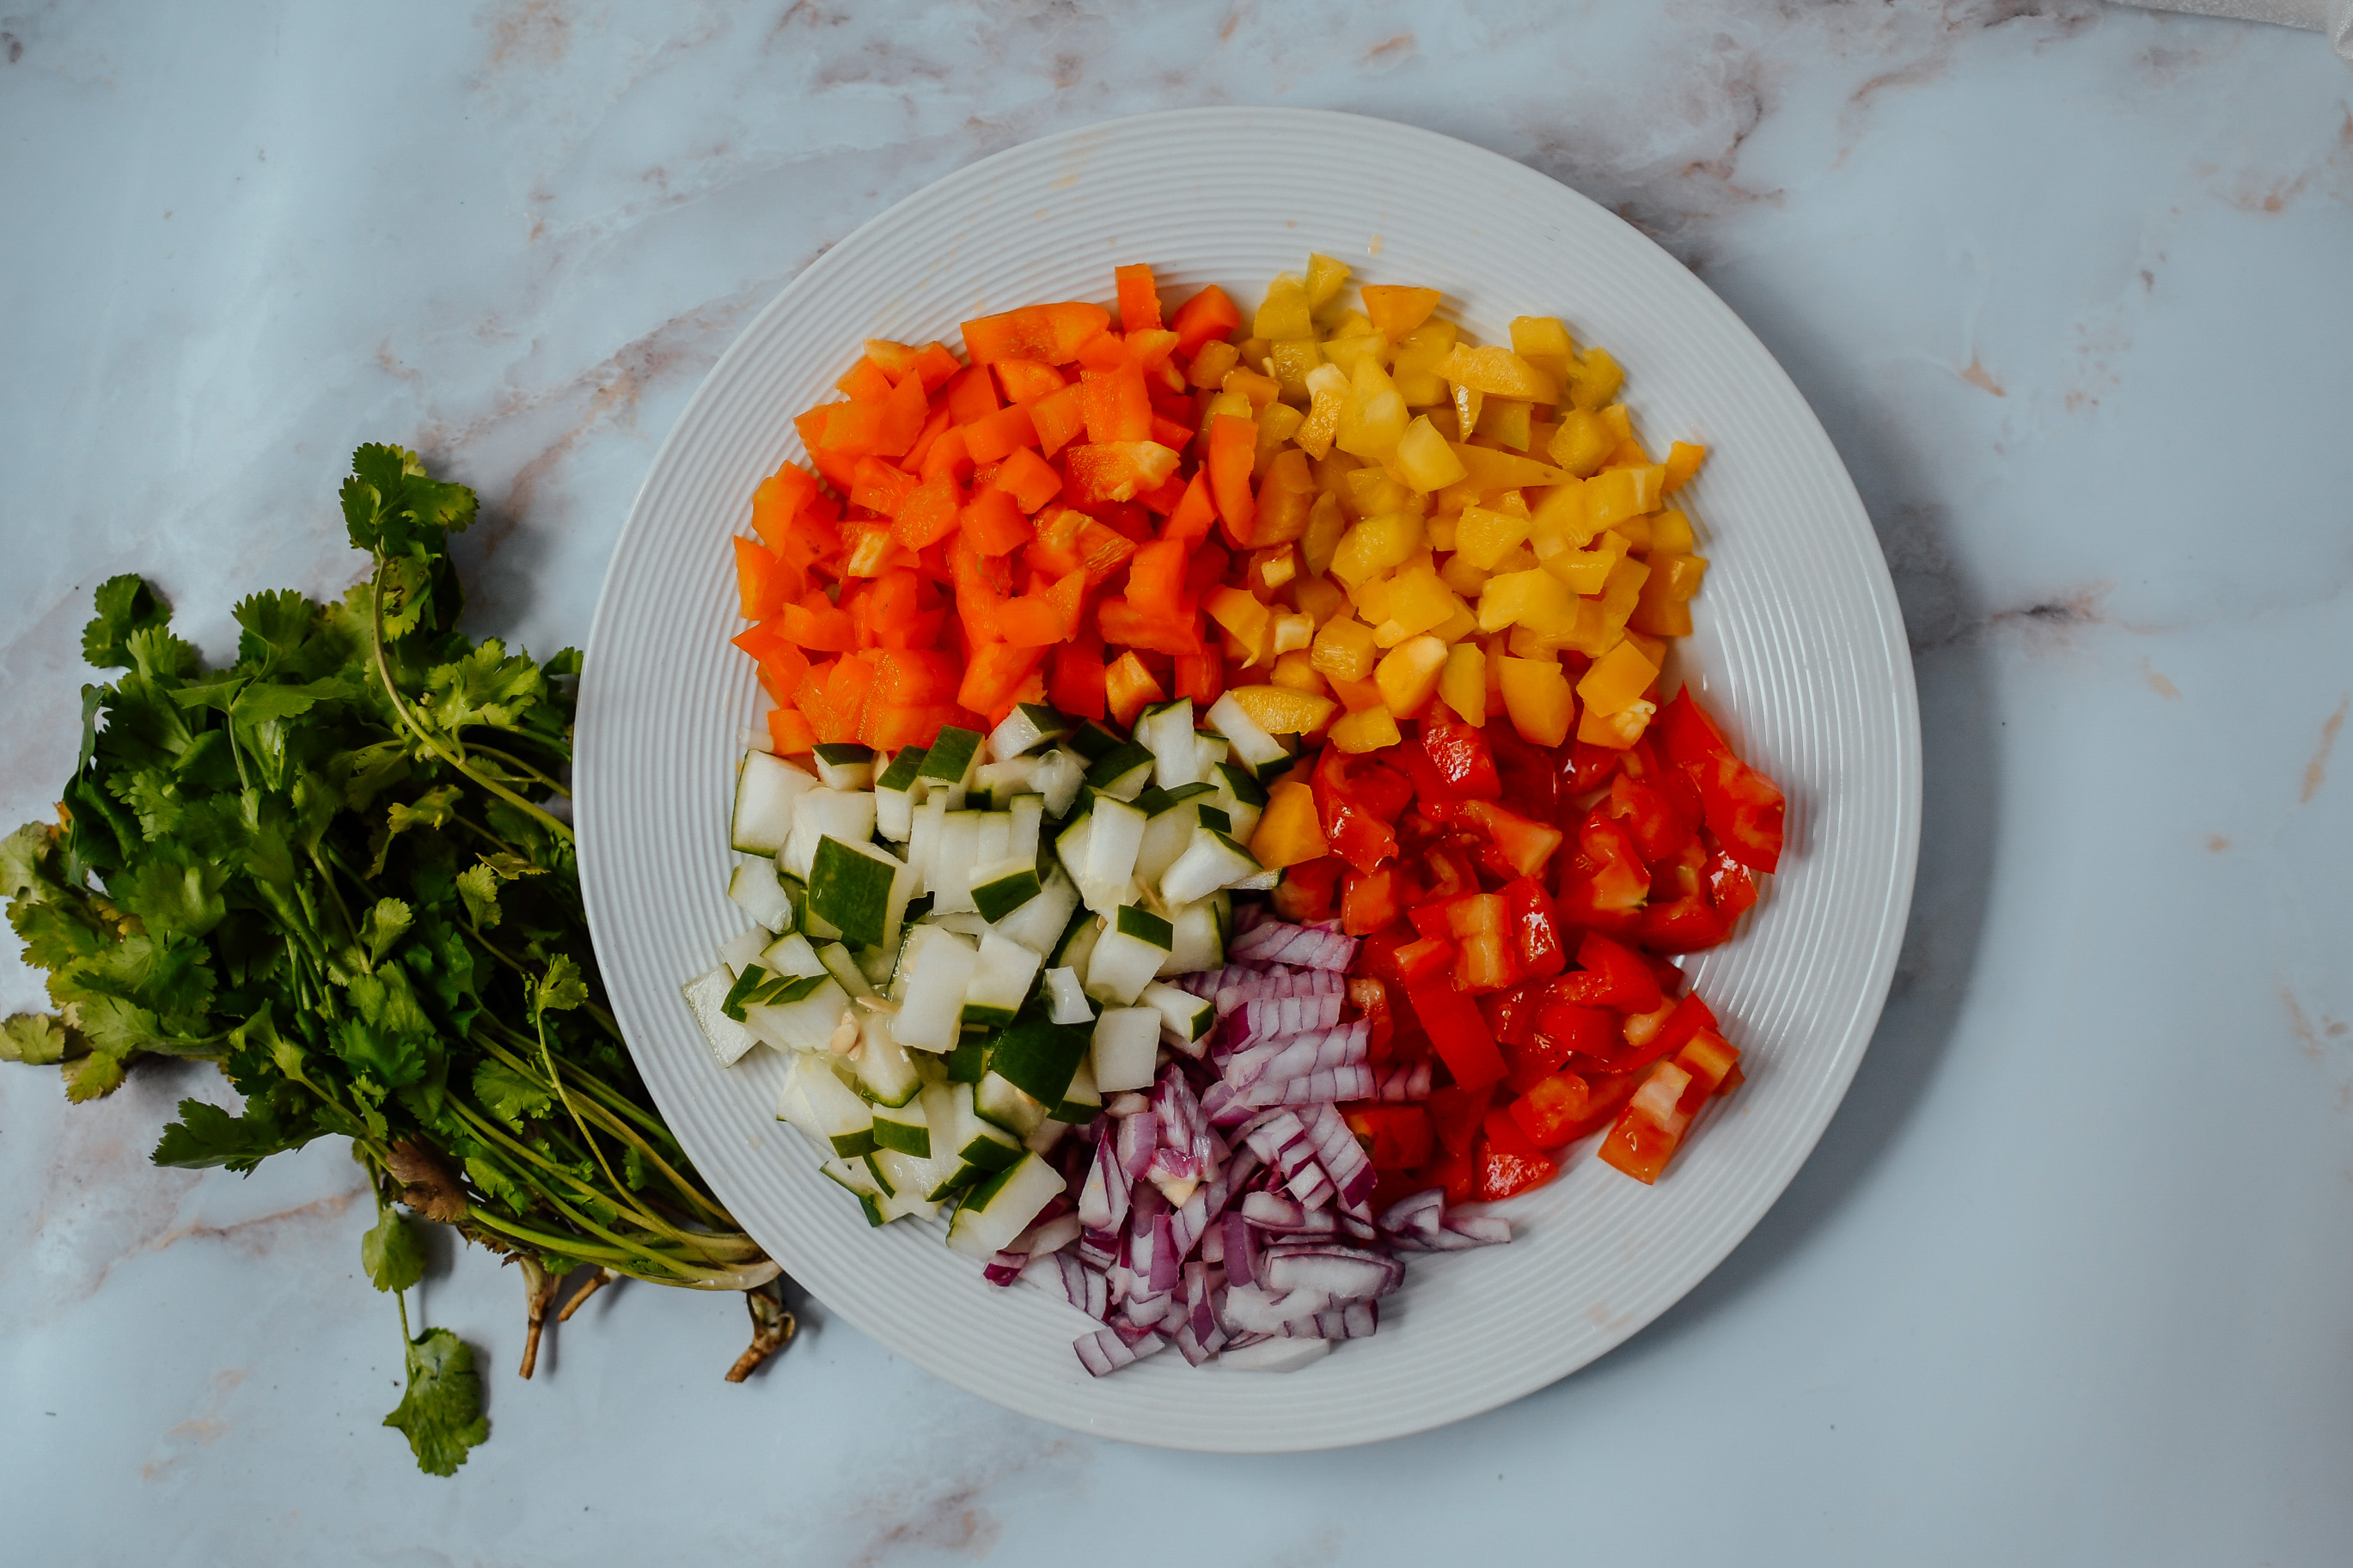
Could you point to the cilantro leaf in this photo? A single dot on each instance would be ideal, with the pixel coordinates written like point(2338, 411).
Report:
point(441, 1413)
point(36, 1039)
point(207, 1135)
point(88, 1077)
point(391, 1253)
point(159, 654)
point(174, 893)
point(384, 925)
point(275, 625)
point(562, 988)
point(513, 1097)
point(125, 604)
point(485, 687)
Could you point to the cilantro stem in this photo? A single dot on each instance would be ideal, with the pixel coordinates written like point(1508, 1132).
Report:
point(714, 1246)
point(408, 720)
point(477, 749)
point(617, 1128)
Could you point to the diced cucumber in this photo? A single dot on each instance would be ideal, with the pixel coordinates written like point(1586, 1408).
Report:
point(1066, 999)
point(904, 1128)
point(1039, 923)
point(929, 1012)
point(923, 846)
point(705, 996)
point(1262, 881)
point(1031, 727)
point(822, 813)
point(1105, 867)
point(826, 1108)
point(1240, 783)
point(754, 885)
point(803, 1020)
point(927, 1181)
point(968, 1063)
point(1038, 1056)
point(1216, 817)
point(1121, 774)
point(980, 1146)
point(1000, 981)
point(1183, 1017)
point(1200, 941)
point(1251, 745)
point(1082, 1099)
point(1077, 945)
point(1128, 955)
point(1174, 815)
point(1058, 776)
point(1209, 862)
point(876, 964)
point(1025, 816)
point(792, 954)
point(1093, 739)
point(743, 948)
point(1167, 731)
point(842, 965)
point(896, 794)
point(1048, 1133)
point(1213, 750)
point(859, 889)
point(766, 789)
point(1001, 1208)
point(1125, 1049)
point(950, 876)
point(844, 765)
point(886, 1073)
point(854, 1175)
point(964, 923)
point(999, 889)
point(947, 767)
point(1005, 780)
point(995, 1099)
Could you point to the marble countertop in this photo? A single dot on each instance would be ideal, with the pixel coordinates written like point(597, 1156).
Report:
point(2068, 1277)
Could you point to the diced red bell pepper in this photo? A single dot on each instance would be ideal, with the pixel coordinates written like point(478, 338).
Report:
point(1201, 676)
point(1508, 1161)
point(1452, 760)
point(1744, 809)
point(1535, 926)
point(1658, 829)
point(1682, 925)
point(1591, 766)
point(1193, 514)
point(1455, 1174)
point(1358, 834)
point(1305, 891)
point(1690, 1018)
point(1456, 1030)
point(1455, 1113)
point(1368, 901)
point(1604, 882)
point(1730, 887)
point(1550, 1110)
point(1609, 975)
point(1517, 847)
point(1399, 1136)
point(1370, 997)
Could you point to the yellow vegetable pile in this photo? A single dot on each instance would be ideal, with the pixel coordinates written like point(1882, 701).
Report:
point(1439, 520)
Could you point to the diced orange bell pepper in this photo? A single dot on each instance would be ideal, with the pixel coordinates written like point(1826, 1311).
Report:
point(1200, 676)
point(1206, 316)
point(972, 395)
point(937, 364)
point(935, 426)
point(992, 437)
point(1156, 577)
point(903, 413)
point(845, 695)
point(1195, 513)
point(1060, 418)
point(949, 456)
point(866, 381)
point(1069, 538)
point(914, 678)
point(929, 512)
point(978, 593)
point(993, 523)
point(1027, 477)
point(1139, 301)
point(1129, 688)
point(1050, 333)
point(1025, 381)
point(1125, 625)
point(1108, 351)
point(816, 625)
point(1044, 617)
point(1151, 351)
point(789, 734)
point(1115, 405)
point(882, 487)
point(1116, 471)
point(778, 502)
point(995, 671)
point(762, 582)
point(1234, 449)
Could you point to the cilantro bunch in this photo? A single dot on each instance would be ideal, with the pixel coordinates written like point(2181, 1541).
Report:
point(341, 868)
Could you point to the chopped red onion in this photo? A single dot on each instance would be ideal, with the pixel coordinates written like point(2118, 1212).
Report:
point(1401, 1085)
point(1005, 1267)
point(1296, 1056)
point(1278, 1215)
point(1342, 1158)
point(1106, 1351)
point(1139, 1135)
point(1279, 1016)
point(1129, 1103)
point(1103, 1200)
point(1342, 1273)
point(1276, 941)
point(1239, 986)
point(1326, 1084)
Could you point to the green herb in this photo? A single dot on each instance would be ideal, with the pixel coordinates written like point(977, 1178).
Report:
point(341, 868)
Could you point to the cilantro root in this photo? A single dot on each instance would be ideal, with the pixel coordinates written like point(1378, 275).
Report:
point(342, 870)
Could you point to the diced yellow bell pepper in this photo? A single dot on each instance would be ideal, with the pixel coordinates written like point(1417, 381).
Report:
point(1295, 672)
point(1416, 601)
point(1461, 624)
point(1358, 349)
point(1536, 697)
point(1505, 421)
point(1588, 571)
point(1373, 601)
point(1355, 696)
point(1560, 516)
point(1617, 730)
point(1254, 351)
point(1427, 461)
point(1374, 545)
point(1485, 536)
point(1238, 611)
point(1595, 380)
point(1236, 403)
point(1469, 403)
point(1499, 373)
point(1407, 674)
point(1617, 493)
point(1348, 322)
point(1289, 830)
point(1683, 458)
point(1326, 524)
point(1286, 492)
point(1629, 451)
point(1328, 394)
point(1623, 589)
point(1259, 389)
point(1594, 634)
point(1279, 711)
point(1463, 685)
point(1670, 532)
point(1437, 531)
point(1635, 532)
point(1494, 470)
point(1210, 365)
point(1292, 359)
point(1295, 633)
point(1366, 730)
point(1343, 649)
point(1543, 342)
point(1536, 599)
point(1617, 680)
point(1325, 278)
point(1376, 417)
point(1520, 642)
point(1287, 312)
point(1582, 443)
point(1652, 648)
point(1397, 309)
point(1317, 599)
point(1465, 579)
point(1374, 491)
point(1418, 355)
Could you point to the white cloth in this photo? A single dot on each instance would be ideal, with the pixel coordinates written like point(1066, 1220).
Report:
point(2333, 17)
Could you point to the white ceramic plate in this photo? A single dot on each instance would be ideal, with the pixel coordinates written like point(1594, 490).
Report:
point(1799, 646)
